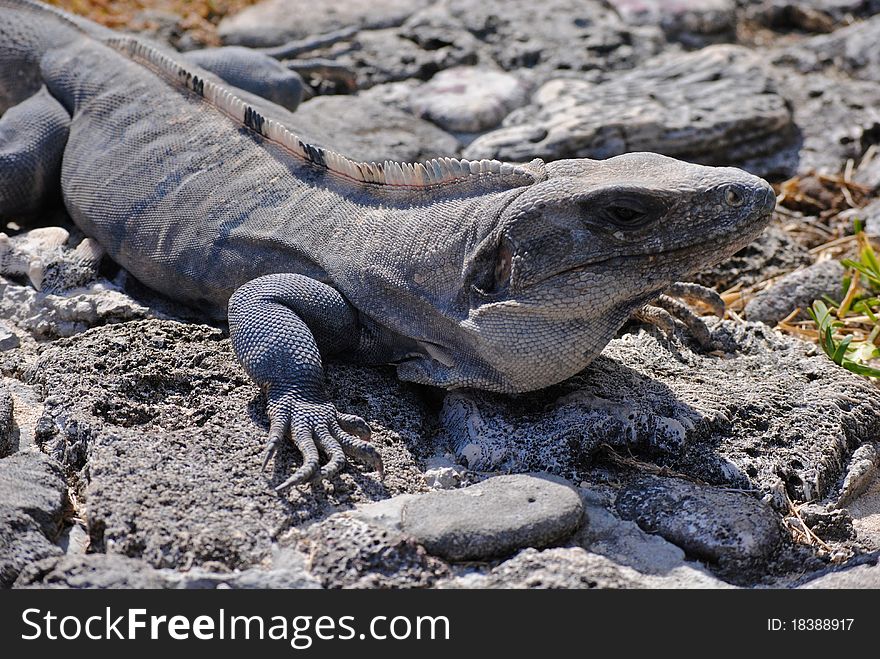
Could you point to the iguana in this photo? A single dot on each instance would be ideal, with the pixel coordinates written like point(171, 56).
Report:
point(505, 277)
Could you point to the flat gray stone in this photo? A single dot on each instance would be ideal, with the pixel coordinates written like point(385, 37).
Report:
point(91, 571)
point(167, 433)
point(32, 497)
point(494, 517)
point(773, 412)
point(576, 568)
point(797, 290)
point(364, 129)
point(469, 99)
point(732, 530)
point(273, 22)
point(716, 106)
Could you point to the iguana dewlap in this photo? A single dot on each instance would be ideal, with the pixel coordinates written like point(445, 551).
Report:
point(463, 274)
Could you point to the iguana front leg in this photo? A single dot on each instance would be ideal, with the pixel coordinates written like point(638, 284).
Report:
point(664, 310)
point(280, 325)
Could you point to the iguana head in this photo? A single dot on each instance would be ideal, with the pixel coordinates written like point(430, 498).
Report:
point(572, 256)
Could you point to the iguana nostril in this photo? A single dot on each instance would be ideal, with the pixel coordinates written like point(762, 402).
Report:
point(769, 199)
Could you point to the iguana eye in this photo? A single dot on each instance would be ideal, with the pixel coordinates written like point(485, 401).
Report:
point(625, 216)
point(733, 197)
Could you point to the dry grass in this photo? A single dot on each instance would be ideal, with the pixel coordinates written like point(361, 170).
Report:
point(200, 17)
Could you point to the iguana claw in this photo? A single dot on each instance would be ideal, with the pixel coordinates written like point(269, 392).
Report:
point(317, 428)
point(665, 310)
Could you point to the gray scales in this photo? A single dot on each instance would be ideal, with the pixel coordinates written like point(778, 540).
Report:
point(498, 276)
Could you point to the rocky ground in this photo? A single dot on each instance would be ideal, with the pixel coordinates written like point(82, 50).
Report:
point(131, 440)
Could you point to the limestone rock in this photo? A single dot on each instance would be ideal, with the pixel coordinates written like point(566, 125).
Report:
point(168, 435)
point(772, 412)
point(717, 106)
point(32, 497)
point(274, 22)
point(729, 529)
point(469, 99)
point(797, 290)
point(363, 129)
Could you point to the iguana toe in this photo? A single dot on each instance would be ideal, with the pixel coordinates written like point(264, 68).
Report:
point(317, 428)
point(302, 438)
point(665, 310)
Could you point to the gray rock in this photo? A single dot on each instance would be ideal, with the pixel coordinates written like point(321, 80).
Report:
point(797, 290)
point(469, 99)
point(732, 530)
point(622, 541)
point(113, 571)
point(27, 409)
point(364, 129)
point(717, 106)
point(694, 23)
point(91, 571)
point(565, 37)
point(555, 35)
point(774, 254)
point(860, 576)
point(850, 50)
point(494, 517)
point(573, 567)
point(6, 420)
point(836, 119)
point(860, 473)
point(8, 338)
point(347, 551)
point(168, 435)
point(32, 497)
point(273, 22)
point(443, 474)
point(50, 316)
point(383, 56)
point(771, 413)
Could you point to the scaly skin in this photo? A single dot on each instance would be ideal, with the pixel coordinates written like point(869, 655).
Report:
point(507, 278)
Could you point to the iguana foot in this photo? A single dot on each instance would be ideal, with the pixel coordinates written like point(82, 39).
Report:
point(315, 428)
point(665, 310)
point(276, 324)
